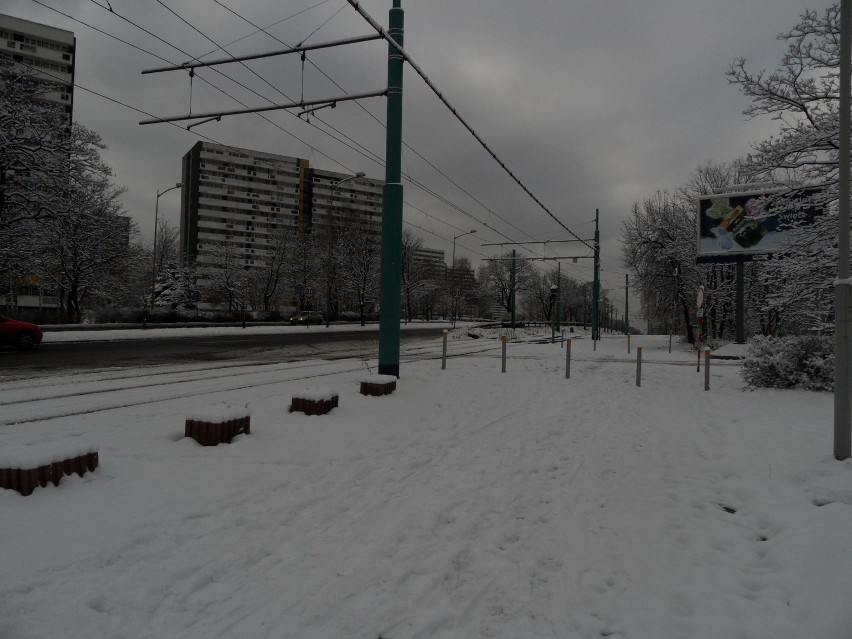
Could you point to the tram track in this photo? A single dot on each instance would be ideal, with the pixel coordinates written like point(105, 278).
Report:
point(172, 384)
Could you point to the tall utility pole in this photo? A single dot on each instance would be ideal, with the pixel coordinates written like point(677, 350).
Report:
point(626, 304)
point(558, 294)
point(513, 283)
point(389, 314)
point(596, 283)
point(843, 286)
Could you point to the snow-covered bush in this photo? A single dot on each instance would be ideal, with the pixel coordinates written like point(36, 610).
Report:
point(805, 362)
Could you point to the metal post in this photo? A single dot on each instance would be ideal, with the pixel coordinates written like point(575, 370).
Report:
point(628, 343)
point(740, 310)
point(596, 282)
point(513, 289)
point(389, 316)
point(627, 304)
point(568, 359)
point(503, 339)
point(558, 294)
point(843, 287)
point(707, 369)
point(638, 365)
point(444, 356)
point(554, 292)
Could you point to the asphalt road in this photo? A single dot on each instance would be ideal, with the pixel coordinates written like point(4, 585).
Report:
point(203, 348)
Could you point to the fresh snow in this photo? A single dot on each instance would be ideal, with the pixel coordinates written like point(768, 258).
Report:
point(469, 503)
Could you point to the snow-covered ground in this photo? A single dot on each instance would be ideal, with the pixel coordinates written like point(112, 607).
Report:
point(470, 503)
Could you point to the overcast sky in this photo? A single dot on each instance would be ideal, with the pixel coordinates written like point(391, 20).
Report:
point(593, 104)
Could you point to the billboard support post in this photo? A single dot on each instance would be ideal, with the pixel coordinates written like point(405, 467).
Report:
point(740, 310)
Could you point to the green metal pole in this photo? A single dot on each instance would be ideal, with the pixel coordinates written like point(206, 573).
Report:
point(596, 284)
point(389, 314)
point(513, 288)
point(558, 292)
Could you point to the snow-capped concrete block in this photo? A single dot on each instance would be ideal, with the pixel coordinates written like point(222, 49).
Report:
point(210, 432)
point(314, 402)
point(25, 470)
point(377, 385)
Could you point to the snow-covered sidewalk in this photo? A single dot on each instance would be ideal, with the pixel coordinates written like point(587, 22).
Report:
point(469, 503)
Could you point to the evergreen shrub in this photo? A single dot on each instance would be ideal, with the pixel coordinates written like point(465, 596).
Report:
point(805, 362)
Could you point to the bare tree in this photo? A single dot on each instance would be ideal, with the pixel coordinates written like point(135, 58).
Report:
point(413, 274)
point(271, 275)
point(361, 254)
point(658, 244)
point(496, 277)
point(80, 251)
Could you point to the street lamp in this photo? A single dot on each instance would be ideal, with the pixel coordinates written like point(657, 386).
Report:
point(455, 237)
point(154, 250)
point(334, 186)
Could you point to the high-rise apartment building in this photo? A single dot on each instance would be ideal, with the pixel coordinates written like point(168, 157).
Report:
point(47, 51)
point(245, 197)
point(430, 262)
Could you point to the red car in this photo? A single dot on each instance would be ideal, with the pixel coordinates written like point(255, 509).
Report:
point(21, 335)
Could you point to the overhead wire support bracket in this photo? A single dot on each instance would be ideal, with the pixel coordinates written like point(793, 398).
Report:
point(218, 118)
point(268, 54)
point(317, 108)
point(274, 107)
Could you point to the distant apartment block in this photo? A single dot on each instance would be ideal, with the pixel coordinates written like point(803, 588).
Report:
point(245, 197)
point(47, 51)
point(431, 263)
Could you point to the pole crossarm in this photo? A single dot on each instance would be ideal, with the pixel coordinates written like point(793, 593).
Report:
point(268, 54)
point(274, 107)
point(538, 259)
point(544, 242)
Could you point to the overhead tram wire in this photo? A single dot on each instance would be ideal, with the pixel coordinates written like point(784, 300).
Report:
point(356, 5)
point(382, 124)
point(224, 75)
point(141, 49)
point(180, 128)
point(213, 140)
point(427, 190)
point(161, 58)
point(434, 194)
point(375, 156)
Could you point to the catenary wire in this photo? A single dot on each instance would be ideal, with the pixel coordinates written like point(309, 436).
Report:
point(415, 182)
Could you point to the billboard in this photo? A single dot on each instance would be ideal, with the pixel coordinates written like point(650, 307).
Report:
point(739, 226)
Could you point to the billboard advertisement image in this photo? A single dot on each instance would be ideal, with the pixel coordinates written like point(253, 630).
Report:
point(735, 225)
